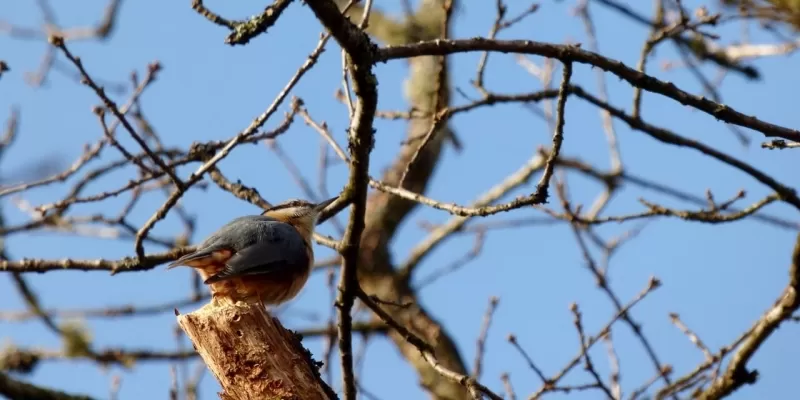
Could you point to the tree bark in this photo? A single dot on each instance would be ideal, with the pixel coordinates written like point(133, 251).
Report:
point(252, 355)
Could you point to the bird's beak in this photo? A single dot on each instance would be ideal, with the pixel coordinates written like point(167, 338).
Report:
point(321, 206)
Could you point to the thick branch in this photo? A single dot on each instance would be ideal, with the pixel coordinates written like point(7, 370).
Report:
point(427, 87)
point(359, 50)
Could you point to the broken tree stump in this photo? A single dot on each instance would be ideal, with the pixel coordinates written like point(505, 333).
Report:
point(252, 355)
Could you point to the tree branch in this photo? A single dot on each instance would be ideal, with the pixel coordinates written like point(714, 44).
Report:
point(18, 390)
point(736, 374)
point(359, 51)
point(575, 54)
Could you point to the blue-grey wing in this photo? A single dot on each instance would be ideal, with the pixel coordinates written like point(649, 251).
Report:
point(235, 236)
point(278, 249)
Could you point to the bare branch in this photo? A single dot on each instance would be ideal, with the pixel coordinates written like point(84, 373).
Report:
point(736, 373)
point(574, 54)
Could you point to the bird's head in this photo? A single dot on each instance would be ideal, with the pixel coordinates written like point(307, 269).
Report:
point(300, 213)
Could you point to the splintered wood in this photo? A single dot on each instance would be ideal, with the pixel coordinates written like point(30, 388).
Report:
point(252, 355)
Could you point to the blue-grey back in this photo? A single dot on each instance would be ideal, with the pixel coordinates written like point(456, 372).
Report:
point(248, 230)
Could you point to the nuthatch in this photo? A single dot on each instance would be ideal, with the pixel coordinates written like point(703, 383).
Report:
point(266, 257)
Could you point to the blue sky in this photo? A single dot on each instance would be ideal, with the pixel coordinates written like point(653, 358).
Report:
point(718, 278)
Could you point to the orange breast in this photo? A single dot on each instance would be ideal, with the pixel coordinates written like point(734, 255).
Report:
point(274, 289)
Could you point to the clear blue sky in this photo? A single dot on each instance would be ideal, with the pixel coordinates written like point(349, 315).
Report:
point(718, 278)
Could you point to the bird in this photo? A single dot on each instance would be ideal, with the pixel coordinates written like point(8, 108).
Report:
point(266, 257)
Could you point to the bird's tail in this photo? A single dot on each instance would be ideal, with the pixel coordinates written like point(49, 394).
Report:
point(176, 263)
point(188, 257)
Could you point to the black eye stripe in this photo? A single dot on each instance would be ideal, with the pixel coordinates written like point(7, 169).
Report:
point(289, 204)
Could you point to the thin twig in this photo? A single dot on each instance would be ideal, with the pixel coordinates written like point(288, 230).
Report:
point(481, 342)
point(540, 196)
point(587, 361)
